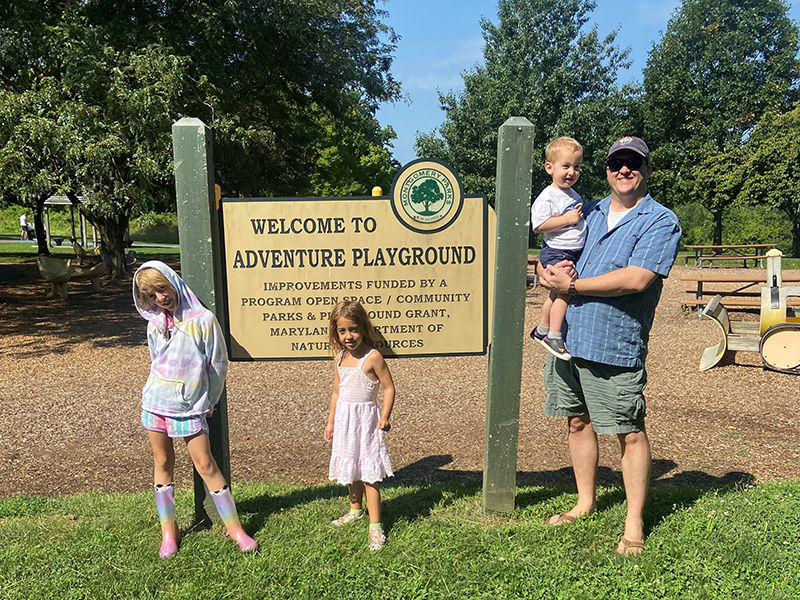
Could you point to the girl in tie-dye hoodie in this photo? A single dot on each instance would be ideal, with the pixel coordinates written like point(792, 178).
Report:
point(187, 377)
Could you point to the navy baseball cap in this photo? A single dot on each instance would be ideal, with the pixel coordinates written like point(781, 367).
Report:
point(634, 144)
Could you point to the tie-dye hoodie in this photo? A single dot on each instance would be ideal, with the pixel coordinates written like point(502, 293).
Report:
point(188, 369)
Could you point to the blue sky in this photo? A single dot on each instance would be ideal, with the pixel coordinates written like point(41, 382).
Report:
point(442, 38)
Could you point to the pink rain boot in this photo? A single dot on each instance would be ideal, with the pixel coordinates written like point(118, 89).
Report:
point(227, 512)
point(170, 534)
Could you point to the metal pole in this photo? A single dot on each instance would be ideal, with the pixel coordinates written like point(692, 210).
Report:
point(201, 265)
point(512, 204)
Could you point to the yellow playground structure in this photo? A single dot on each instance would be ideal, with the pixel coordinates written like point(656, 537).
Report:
point(776, 336)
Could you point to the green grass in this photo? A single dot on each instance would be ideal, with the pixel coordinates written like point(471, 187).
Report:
point(703, 543)
point(16, 252)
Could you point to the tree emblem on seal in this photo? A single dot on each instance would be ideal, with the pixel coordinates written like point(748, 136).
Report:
point(427, 193)
point(427, 196)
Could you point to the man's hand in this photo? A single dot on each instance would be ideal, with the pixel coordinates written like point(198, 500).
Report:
point(557, 277)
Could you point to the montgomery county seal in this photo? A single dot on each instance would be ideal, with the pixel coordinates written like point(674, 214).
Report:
point(426, 196)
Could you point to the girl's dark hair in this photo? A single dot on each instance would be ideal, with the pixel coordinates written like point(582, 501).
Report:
point(352, 310)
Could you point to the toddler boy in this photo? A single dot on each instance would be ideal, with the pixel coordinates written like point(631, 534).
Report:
point(556, 213)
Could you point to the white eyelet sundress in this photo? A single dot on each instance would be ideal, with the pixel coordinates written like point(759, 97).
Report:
point(359, 447)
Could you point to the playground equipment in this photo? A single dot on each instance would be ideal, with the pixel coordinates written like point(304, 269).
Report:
point(58, 273)
point(776, 337)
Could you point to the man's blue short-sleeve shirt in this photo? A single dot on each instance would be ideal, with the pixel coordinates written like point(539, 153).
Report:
point(615, 331)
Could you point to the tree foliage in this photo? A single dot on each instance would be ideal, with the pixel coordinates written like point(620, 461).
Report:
point(542, 63)
point(771, 171)
point(352, 155)
point(90, 89)
point(719, 67)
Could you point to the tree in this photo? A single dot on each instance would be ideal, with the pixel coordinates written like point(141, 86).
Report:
point(352, 155)
point(718, 182)
point(771, 171)
point(426, 193)
point(272, 78)
point(719, 67)
point(92, 121)
point(32, 153)
point(541, 63)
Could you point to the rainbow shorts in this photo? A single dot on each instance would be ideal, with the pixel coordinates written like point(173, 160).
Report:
point(174, 427)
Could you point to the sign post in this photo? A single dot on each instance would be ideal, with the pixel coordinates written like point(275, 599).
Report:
point(512, 204)
point(201, 265)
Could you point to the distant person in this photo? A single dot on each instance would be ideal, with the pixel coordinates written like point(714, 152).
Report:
point(23, 225)
point(356, 424)
point(631, 246)
point(187, 377)
point(556, 213)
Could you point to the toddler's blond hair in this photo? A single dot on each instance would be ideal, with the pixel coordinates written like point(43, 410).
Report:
point(561, 144)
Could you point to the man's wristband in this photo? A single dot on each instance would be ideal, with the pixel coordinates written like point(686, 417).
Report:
point(572, 291)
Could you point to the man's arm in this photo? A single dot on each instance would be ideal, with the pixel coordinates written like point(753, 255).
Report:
point(628, 280)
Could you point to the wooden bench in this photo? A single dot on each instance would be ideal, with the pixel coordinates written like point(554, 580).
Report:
point(744, 258)
point(736, 335)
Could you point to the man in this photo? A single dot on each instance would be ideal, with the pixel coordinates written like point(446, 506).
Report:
point(631, 246)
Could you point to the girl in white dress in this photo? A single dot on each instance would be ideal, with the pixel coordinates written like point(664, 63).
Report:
point(356, 424)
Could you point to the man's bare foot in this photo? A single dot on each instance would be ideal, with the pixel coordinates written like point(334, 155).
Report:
point(627, 546)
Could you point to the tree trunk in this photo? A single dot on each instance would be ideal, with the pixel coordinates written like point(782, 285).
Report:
point(111, 235)
point(38, 226)
point(717, 228)
point(112, 230)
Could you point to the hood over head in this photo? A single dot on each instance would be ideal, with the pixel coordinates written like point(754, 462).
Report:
point(189, 307)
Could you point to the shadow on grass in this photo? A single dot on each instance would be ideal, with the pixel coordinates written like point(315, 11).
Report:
point(667, 494)
point(426, 485)
point(261, 507)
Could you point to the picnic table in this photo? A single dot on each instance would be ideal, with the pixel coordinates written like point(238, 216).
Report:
point(724, 252)
point(747, 292)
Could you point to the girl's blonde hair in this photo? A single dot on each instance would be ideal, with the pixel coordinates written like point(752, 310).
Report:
point(559, 145)
point(352, 310)
point(150, 280)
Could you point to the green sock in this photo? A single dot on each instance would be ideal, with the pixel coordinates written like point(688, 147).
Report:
point(357, 511)
point(376, 526)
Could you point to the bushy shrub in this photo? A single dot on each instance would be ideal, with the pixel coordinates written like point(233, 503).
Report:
point(740, 225)
point(155, 228)
point(757, 225)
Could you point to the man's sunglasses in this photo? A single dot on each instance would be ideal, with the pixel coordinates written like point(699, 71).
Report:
point(632, 162)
